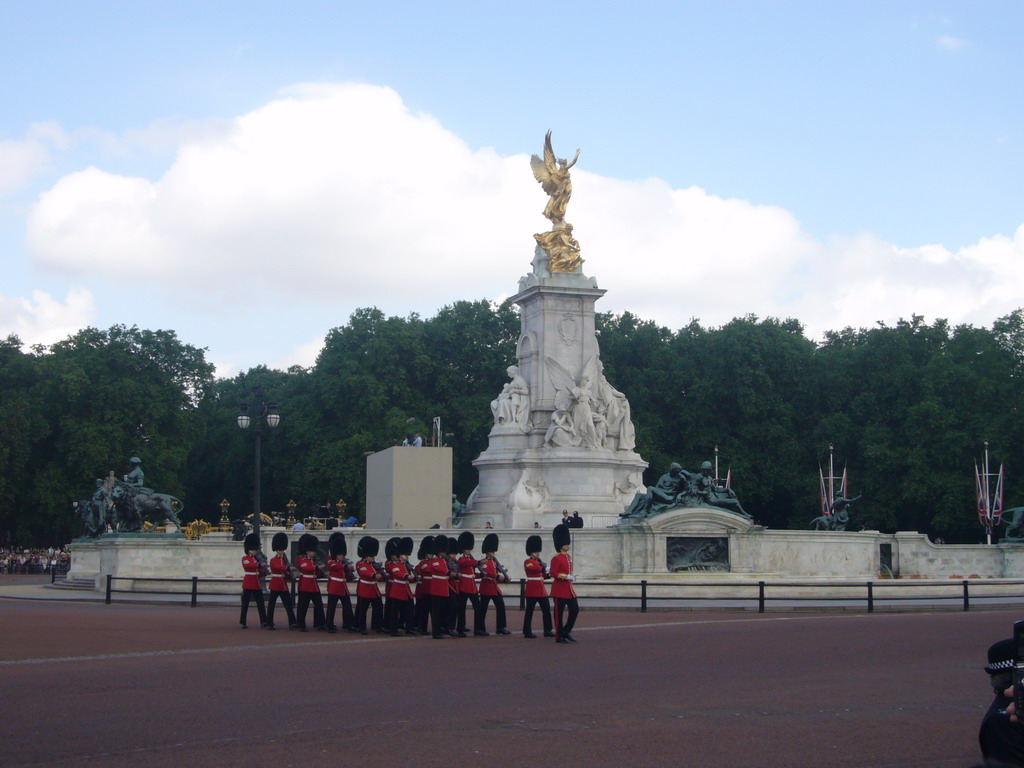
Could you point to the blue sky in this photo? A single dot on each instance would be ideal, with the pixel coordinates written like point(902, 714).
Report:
point(250, 173)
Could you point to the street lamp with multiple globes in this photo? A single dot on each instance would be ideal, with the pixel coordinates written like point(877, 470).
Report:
point(261, 409)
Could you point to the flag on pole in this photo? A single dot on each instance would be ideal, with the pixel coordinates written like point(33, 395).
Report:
point(979, 491)
point(826, 502)
point(997, 502)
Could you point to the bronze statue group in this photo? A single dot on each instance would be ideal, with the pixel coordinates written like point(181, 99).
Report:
point(428, 597)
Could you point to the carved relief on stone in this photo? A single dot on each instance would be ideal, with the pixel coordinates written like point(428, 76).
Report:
point(568, 330)
point(527, 496)
point(629, 488)
point(595, 414)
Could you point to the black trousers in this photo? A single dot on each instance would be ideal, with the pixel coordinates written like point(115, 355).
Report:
point(347, 617)
point(438, 615)
point(362, 604)
point(562, 627)
point(422, 612)
point(257, 595)
point(398, 613)
point(478, 623)
point(545, 612)
point(499, 609)
point(286, 601)
point(305, 598)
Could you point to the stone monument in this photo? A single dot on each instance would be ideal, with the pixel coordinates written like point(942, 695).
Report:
point(563, 436)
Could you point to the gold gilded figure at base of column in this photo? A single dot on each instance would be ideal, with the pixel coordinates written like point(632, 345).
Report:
point(562, 249)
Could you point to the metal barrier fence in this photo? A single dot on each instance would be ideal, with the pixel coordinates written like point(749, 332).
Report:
point(750, 593)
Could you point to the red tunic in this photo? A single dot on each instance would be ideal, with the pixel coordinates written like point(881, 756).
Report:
point(278, 574)
point(368, 578)
point(489, 577)
point(337, 577)
point(253, 571)
point(399, 577)
point(423, 581)
point(467, 574)
point(438, 577)
point(561, 588)
point(534, 579)
point(308, 573)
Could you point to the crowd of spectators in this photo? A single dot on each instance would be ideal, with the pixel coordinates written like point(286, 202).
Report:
point(35, 561)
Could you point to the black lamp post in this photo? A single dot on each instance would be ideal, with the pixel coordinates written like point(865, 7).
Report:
point(261, 409)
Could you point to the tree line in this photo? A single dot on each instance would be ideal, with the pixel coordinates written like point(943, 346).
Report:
point(907, 407)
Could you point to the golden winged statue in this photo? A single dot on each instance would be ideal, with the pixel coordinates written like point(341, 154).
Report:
point(553, 174)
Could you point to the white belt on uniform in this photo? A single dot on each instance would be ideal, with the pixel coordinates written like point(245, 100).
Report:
point(336, 578)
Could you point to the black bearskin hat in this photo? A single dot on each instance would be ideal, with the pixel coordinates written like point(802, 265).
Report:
point(279, 542)
point(368, 547)
point(441, 545)
point(534, 544)
point(308, 543)
point(405, 546)
point(252, 541)
point(466, 540)
point(391, 547)
point(490, 545)
point(561, 536)
point(426, 548)
point(336, 544)
point(453, 546)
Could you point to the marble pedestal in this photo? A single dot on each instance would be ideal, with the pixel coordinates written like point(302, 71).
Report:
point(523, 481)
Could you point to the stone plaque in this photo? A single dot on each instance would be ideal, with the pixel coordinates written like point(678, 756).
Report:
point(697, 553)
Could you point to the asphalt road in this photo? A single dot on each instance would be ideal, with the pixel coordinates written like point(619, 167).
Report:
point(152, 686)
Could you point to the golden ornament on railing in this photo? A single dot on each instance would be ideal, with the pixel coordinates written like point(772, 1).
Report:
point(224, 524)
point(196, 529)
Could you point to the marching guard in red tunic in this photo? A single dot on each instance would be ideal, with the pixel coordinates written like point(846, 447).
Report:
point(370, 574)
point(339, 573)
point(423, 583)
point(467, 586)
point(439, 602)
point(398, 613)
point(492, 573)
point(561, 586)
point(254, 568)
point(309, 589)
point(536, 572)
point(452, 609)
point(280, 575)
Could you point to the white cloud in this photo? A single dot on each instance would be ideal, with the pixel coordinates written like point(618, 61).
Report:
point(338, 196)
point(20, 159)
point(43, 319)
point(950, 43)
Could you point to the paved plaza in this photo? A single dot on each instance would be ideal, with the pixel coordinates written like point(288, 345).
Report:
point(86, 684)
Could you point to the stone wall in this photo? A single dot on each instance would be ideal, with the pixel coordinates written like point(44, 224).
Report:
point(623, 552)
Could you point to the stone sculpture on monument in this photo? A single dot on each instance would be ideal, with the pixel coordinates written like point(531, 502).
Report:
point(563, 435)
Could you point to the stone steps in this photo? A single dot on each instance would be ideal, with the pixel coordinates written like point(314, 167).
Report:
point(80, 585)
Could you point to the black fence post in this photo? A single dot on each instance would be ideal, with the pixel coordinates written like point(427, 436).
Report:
point(195, 591)
point(522, 594)
point(871, 597)
point(107, 598)
point(760, 597)
point(643, 596)
point(967, 598)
